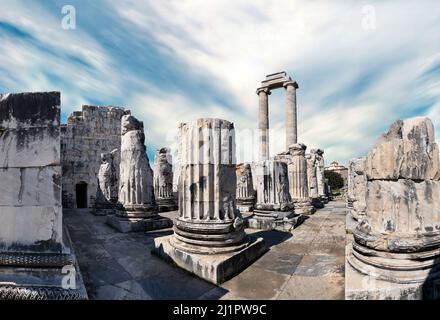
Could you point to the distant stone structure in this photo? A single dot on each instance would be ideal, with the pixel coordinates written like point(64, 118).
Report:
point(136, 193)
point(33, 246)
point(88, 134)
point(336, 167)
point(209, 238)
point(396, 248)
point(245, 188)
point(163, 180)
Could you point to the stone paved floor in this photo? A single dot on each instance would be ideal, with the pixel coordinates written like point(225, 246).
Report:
point(305, 264)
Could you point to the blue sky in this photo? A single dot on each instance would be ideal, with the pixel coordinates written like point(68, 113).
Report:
point(172, 61)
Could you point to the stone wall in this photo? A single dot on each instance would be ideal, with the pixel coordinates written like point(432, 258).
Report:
point(30, 173)
point(87, 134)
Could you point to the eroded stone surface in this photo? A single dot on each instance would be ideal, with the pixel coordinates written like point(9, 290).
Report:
point(357, 187)
point(397, 240)
point(272, 185)
point(407, 151)
point(245, 188)
point(136, 175)
point(312, 180)
point(107, 194)
point(320, 174)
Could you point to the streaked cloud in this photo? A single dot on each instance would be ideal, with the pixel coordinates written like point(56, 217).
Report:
point(177, 60)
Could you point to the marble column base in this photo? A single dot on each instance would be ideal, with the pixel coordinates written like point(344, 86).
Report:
point(304, 207)
point(126, 224)
point(394, 276)
point(245, 205)
point(37, 276)
point(166, 205)
point(275, 220)
point(215, 268)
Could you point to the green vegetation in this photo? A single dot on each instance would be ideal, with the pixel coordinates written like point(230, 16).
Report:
point(334, 180)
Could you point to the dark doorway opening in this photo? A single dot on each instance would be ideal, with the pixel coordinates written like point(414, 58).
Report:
point(81, 195)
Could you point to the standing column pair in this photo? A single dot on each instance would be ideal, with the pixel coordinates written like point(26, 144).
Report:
point(291, 117)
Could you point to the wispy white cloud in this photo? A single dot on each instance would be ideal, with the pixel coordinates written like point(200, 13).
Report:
point(177, 60)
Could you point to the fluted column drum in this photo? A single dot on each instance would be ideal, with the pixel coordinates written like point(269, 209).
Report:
point(245, 188)
point(208, 220)
point(299, 189)
point(320, 174)
point(272, 186)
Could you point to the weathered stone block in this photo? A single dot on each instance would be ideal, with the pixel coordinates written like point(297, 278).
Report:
point(22, 187)
point(26, 110)
point(29, 129)
point(31, 229)
point(395, 254)
point(403, 208)
point(407, 151)
point(215, 268)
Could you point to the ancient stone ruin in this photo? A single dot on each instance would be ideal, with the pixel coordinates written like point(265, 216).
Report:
point(139, 210)
point(312, 178)
point(276, 81)
point(34, 248)
point(357, 183)
point(320, 176)
point(245, 188)
point(274, 208)
point(108, 183)
point(209, 238)
point(395, 253)
point(88, 134)
point(163, 180)
point(298, 181)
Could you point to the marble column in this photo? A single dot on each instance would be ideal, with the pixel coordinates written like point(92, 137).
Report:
point(312, 179)
point(163, 180)
point(263, 122)
point(209, 238)
point(320, 175)
point(107, 193)
point(396, 249)
point(207, 208)
point(356, 189)
point(272, 186)
point(291, 113)
point(138, 208)
point(274, 208)
point(245, 188)
point(299, 190)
